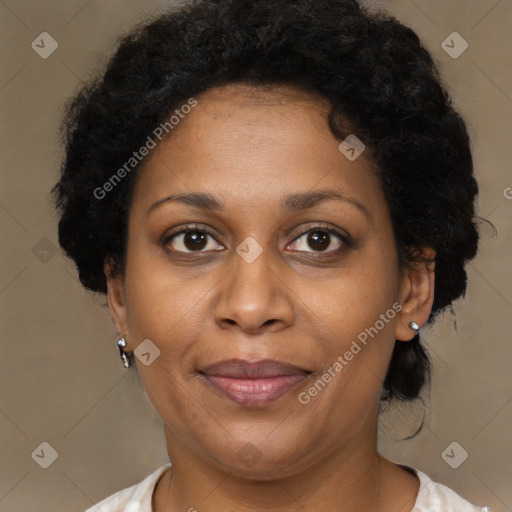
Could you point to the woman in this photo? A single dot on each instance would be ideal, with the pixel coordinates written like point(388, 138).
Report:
point(275, 197)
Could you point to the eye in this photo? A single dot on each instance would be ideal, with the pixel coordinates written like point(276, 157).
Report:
point(198, 239)
point(320, 239)
point(191, 239)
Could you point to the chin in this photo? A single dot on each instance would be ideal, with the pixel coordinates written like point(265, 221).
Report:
point(252, 462)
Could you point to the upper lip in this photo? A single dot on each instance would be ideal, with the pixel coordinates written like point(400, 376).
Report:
point(242, 369)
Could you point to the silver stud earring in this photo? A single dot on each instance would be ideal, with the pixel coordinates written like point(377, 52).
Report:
point(415, 327)
point(121, 344)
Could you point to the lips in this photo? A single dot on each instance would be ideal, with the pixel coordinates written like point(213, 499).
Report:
point(254, 383)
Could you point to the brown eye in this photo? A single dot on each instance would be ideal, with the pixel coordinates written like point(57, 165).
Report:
point(191, 240)
point(195, 240)
point(320, 239)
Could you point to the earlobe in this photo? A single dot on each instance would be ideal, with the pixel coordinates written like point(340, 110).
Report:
point(416, 296)
point(116, 301)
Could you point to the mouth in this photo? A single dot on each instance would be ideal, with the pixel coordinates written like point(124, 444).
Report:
point(254, 384)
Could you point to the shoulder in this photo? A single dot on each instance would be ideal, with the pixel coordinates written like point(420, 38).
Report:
point(435, 497)
point(135, 498)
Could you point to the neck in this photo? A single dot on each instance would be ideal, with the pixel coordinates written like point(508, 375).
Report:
point(347, 479)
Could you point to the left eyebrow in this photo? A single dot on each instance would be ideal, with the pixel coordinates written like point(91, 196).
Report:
point(305, 200)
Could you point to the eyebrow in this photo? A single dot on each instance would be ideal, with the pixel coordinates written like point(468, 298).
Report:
point(291, 203)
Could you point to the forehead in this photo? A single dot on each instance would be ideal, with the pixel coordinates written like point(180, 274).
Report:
point(250, 141)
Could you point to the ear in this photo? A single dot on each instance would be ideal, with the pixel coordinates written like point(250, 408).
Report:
point(416, 294)
point(117, 303)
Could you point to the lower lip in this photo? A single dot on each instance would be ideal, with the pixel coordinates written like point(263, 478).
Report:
point(255, 392)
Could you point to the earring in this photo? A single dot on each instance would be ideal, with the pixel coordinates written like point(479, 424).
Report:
point(121, 344)
point(415, 327)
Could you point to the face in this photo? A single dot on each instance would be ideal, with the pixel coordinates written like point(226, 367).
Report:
point(290, 256)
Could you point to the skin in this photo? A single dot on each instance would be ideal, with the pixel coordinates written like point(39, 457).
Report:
point(250, 148)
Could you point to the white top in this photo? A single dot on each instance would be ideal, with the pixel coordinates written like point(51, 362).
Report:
point(432, 497)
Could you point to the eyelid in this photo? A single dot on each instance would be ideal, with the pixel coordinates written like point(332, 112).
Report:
point(189, 228)
point(328, 228)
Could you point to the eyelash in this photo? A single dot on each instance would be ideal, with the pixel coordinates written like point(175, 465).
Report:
point(192, 228)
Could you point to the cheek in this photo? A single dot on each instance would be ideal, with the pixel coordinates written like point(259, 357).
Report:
point(353, 298)
point(355, 312)
point(158, 296)
point(162, 307)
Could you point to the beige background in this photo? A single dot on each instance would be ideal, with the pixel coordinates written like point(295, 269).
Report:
point(61, 380)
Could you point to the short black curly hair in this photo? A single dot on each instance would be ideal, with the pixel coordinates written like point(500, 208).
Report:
point(373, 70)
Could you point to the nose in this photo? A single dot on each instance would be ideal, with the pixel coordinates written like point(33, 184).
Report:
point(254, 297)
